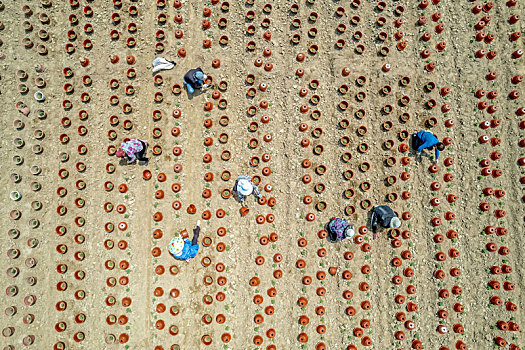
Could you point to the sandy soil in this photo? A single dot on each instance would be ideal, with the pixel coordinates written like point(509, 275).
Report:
point(168, 297)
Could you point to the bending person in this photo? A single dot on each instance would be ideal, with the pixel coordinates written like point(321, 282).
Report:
point(426, 140)
point(182, 248)
point(244, 187)
point(384, 216)
point(339, 229)
point(195, 79)
point(133, 149)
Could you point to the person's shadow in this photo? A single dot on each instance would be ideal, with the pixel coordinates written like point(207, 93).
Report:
point(236, 196)
point(411, 150)
point(196, 93)
point(124, 162)
point(330, 237)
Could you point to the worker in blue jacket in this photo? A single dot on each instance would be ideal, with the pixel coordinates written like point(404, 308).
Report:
point(182, 248)
point(426, 140)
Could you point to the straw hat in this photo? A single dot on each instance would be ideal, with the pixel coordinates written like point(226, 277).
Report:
point(176, 245)
point(244, 187)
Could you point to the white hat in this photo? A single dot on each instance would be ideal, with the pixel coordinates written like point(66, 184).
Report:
point(349, 231)
point(176, 245)
point(244, 187)
point(395, 222)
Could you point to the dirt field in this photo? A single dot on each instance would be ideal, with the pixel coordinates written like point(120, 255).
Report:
point(326, 89)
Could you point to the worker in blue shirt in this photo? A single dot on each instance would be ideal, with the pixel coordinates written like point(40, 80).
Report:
point(182, 248)
point(426, 140)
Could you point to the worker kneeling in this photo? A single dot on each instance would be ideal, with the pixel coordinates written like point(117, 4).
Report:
point(426, 140)
point(384, 216)
point(195, 79)
point(339, 229)
point(182, 248)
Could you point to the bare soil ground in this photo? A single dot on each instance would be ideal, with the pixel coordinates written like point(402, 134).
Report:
point(123, 289)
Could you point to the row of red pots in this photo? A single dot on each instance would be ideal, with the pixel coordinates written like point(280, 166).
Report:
point(79, 238)
point(260, 219)
point(408, 272)
point(317, 132)
point(363, 287)
point(123, 338)
point(489, 191)
point(109, 227)
point(439, 274)
point(161, 177)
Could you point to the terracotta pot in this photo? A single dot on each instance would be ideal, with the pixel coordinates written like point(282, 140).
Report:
point(517, 54)
point(516, 79)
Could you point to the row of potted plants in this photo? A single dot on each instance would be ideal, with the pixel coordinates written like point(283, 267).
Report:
point(492, 199)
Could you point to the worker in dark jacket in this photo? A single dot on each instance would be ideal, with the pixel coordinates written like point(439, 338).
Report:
point(195, 79)
point(384, 216)
point(426, 140)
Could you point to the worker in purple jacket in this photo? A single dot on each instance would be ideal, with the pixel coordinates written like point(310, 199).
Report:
point(426, 140)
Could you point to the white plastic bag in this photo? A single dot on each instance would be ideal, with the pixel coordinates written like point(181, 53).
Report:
point(160, 63)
